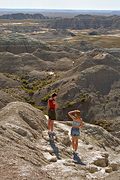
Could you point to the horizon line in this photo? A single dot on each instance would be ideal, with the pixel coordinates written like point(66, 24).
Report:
point(60, 9)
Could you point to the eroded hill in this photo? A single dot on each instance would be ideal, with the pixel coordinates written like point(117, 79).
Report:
point(83, 67)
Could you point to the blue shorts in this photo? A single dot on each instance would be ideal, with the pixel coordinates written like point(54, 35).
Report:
point(75, 131)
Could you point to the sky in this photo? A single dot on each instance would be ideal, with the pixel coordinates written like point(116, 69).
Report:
point(62, 4)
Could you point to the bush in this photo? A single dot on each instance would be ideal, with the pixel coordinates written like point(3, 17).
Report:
point(70, 104)
point(24, 81)
point(30, 92)
point(45, 98)
point(42, 108)
point(84, 98)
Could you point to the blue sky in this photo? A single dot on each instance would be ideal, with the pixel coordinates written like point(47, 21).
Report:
point(62, 4)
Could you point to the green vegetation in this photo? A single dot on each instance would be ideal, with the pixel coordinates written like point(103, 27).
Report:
point(83, 98)
point(36, 85)
point(42, 108)
point(45, 98)
point(104, 41)
point(70, 104)
point(27, 88)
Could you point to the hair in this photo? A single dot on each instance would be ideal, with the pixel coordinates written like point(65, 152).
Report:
point(54, 95)
point(77, 113)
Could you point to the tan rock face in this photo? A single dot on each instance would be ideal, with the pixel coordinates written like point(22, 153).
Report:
point(114, 166)
point(20, 126)
point(85, 22)
point(113, 175)
point(5, 98)
point(101, 161)
point(92, 169)
point(27, 152)
point(66, 139)
point(108, 170)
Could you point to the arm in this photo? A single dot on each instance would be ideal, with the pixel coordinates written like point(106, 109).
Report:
point(56, 105)
point(48, 105)
point(71, 114)
point(81, 124)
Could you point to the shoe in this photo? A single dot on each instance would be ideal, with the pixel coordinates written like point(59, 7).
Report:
point(76, 152)
point(73, 152)
point(49, 133)
point(53, 133)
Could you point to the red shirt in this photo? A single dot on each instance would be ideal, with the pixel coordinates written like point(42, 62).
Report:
point(51, 103)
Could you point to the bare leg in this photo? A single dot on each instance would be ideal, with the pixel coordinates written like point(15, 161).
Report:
point(52, 125)
point(73, 142)
point(49, 124)
point(76, 143)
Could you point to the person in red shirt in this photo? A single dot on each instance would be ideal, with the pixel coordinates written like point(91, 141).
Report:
point(52, 106)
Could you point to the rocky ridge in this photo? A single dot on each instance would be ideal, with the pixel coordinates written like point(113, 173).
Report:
point(21, 16)
point(26, 151)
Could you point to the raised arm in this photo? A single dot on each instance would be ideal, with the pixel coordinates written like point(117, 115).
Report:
point(71, 114)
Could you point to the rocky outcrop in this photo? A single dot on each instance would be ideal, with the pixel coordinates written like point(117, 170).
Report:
point(102, 137)
point(114, 51)
point(52, 55)
point(20, 43)
point(91, 85)
point(64, 64)
point(21, 126)
point(93, 58)
point(112, 176)
point(5, 98)
point(72, 89)
point(86, 22)
point(27, 152)
point(6, 82)
point(94, 162)
point(22, 63)
point(20, 16)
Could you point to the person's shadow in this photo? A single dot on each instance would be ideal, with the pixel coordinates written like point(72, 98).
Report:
point(77, 159)
point(55, 149)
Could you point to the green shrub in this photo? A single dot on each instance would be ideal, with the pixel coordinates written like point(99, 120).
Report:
point(42, 108)
point(30, 92)
point(70, 104)
point(45, 98)
point(84, 98)
point(24, 81)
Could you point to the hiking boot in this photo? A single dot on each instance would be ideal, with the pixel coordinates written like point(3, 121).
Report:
point(53, 134)
point(49, 133)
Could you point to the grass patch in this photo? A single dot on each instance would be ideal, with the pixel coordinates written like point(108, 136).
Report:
point(45, 98)
point(103, 41)
point(83, 98)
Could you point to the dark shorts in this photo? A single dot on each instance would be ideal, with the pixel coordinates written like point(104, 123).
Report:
point(75, 131)
point(52, 114)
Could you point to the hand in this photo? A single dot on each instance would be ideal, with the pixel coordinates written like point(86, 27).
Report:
point(56, 105)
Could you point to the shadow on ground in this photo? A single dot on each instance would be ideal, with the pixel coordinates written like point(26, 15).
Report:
point(77, 159)
point(55, 149)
